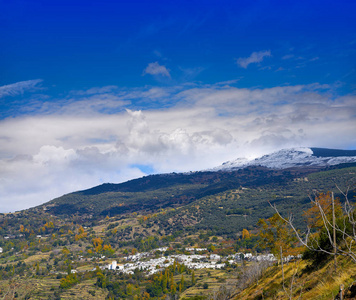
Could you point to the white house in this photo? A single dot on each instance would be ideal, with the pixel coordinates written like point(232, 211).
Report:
point(214, 257)
point(113, 265)
point(248, 256)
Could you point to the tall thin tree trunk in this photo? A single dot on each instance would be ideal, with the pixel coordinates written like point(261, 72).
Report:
point(282, 267)
point(334, 229)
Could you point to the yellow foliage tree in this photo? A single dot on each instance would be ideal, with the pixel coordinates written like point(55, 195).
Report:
point(245, 234)
point(276, 235)
point(81, 230)
point(97, 244)
point(81, 234)
point(65, 251)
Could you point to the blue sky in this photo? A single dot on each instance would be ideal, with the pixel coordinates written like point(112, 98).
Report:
point(80, 44)
point(110, 90)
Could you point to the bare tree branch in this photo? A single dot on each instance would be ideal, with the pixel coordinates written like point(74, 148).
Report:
point(312, 243)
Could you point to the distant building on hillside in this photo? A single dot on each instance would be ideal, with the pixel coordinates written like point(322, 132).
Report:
point(113, 265)
point(215, 257)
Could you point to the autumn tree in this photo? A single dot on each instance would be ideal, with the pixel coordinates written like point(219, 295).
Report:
point(81, 234)
point(245, 234)
point(323, 202)
point(65, 251)
point(276, 235)
point(172, 284)
point(97, 244)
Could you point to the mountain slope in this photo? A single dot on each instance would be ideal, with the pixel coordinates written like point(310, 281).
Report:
point(155, 192)
point(232, 210)
point(302, 282)
point(231, 199)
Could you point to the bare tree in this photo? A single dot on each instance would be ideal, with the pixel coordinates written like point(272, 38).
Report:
point(224, 293)
point(293, 286)
point(252, 273)
point(345, 229)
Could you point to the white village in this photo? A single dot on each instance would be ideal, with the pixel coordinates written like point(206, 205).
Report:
point(144, 262)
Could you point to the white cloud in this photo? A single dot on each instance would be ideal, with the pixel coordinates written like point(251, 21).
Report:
point(156, 69)
point(54, 155)
point(71, 148)
point(255, 57)
point(19, 87)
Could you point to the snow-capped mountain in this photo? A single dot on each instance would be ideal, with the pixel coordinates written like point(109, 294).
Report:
point(295, 157)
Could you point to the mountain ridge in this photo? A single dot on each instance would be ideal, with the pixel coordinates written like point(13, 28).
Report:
point(294, 157)
point(160, 191)
point(327, 155)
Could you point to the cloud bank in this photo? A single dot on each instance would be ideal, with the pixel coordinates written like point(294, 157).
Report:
point(102, 134)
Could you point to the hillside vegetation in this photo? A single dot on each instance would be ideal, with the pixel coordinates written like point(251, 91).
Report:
point(303, 282)
point(217, 212)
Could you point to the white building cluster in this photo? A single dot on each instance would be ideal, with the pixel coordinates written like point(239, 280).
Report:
point(155, 265)
point(142, 262)
point(196, 249)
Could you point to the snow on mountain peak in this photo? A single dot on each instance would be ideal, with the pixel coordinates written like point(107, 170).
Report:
point(294, 157)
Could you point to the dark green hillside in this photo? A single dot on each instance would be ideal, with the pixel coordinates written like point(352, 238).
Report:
point(222, 202)
point(151, 193)
point(230, 211)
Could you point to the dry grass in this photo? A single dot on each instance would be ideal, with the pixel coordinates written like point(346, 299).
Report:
point(37, 288)
point(36, 258)
point(82, 291)
point(319, 284)
point(214, 281)
point(42, 288)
